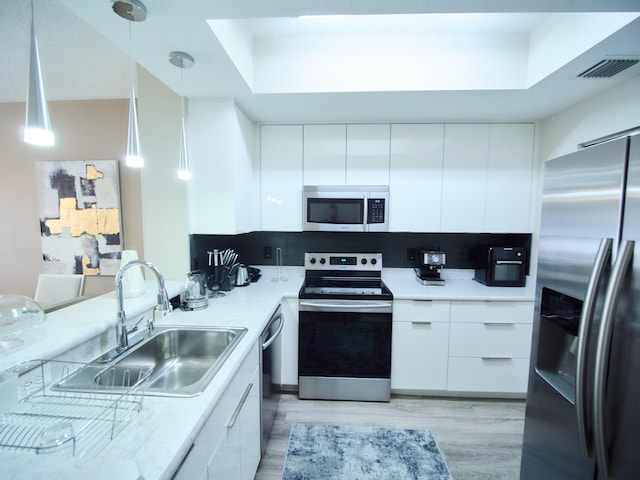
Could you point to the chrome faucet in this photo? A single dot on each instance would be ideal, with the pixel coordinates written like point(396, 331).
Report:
point(162, 308)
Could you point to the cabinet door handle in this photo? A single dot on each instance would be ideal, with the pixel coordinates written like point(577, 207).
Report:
point(234, 417)
point(493, 324)
point(421, 322)
point(496, 358)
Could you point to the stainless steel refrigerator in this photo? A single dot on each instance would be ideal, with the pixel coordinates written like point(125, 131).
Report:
point(583, 404)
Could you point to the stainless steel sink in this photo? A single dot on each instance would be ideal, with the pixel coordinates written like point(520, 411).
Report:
point(175, 361)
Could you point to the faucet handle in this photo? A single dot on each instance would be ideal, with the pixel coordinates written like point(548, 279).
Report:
point(134, 327)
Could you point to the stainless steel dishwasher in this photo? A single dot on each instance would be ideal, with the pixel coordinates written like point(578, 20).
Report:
point(269, 363)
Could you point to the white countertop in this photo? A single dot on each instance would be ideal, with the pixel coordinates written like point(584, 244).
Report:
point(153, 445)
point(459, 285)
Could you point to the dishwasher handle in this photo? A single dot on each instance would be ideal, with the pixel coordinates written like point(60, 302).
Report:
point(267, 343)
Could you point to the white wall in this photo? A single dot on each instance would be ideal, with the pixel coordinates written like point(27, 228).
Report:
point(164, 196)
point(612, 111)
point(85, 130)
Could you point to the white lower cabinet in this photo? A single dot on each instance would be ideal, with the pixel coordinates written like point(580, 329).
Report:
point(467, 347)
point(419, 349)
point(228, 446)
point(489, 347)
point(287, 377)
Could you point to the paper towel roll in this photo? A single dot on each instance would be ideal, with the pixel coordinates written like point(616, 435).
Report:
point(132, 280)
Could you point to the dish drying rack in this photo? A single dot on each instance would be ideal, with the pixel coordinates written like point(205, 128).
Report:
point(68, 423)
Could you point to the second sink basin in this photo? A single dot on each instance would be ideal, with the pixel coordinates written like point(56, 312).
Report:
point(179, 361)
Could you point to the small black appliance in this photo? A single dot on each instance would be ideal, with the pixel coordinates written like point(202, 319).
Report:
point(429, 268)
point(502, 266)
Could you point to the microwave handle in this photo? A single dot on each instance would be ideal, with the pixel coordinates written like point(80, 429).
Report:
point(365, 220)
point(508, 262)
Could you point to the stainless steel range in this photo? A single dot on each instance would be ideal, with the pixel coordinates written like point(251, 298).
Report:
point(344, 350)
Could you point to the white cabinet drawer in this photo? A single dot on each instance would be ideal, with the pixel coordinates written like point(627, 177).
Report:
point(492, 340)
point(488, 375)
point(419, 355)
point(421, 311)
point(492, 312)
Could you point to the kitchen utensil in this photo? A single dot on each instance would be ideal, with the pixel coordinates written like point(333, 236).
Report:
point(215, 271)
point(229, 279)
point(280, 277)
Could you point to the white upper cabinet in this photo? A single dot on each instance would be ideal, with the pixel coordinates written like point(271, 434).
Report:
point(325, 154)
point(510, 178)
point(415, 177)
point(281, 177)
point(368, 154)
point(224, 173)
point(464, 178)
point(450, 178)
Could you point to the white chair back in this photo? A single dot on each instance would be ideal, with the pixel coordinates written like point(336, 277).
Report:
point(53, 289)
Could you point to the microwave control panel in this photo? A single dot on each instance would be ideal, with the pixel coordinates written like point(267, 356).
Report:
point(375, 210)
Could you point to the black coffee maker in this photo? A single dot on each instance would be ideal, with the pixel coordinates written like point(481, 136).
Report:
point(429, 267)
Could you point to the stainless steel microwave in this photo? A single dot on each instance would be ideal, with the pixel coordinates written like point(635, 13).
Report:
point(346, 208)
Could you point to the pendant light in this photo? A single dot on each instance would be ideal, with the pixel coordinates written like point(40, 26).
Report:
point(38, 128)
point(133, 11)
point(182, 60)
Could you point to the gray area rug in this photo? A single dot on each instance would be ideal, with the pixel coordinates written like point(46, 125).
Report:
point(322, 452)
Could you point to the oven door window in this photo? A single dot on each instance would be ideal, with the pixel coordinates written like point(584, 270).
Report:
point(345, 344)
point(507, 272)
point(348, 211)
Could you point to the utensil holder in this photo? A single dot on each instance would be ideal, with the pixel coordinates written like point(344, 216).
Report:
point(228, 281)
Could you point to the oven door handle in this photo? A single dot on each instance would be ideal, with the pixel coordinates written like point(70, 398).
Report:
point(359, 305)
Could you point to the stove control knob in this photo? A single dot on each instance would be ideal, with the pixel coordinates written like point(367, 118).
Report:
point(312, 260)
point(322, 261)
point(373, 261)
point(363, 261)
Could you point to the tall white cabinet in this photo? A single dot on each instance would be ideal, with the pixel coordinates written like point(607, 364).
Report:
point(464, 185)
point(224, 169)
point(368, 154)
point(325, 154)
point(509, 178)
point(281, 177)
point(415, 177)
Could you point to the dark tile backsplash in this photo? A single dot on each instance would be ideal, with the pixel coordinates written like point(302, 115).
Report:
point(396, 248)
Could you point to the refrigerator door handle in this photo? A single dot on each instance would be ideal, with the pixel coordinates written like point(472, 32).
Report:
point(602, 353)
point(603, 256)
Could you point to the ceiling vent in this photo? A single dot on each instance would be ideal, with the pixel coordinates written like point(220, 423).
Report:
point(608, 67)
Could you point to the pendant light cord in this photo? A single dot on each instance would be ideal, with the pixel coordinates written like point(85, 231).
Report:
point(130, 56)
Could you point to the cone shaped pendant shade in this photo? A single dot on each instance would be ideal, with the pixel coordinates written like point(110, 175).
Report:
point(182, 60)
point(38, 128)
point(184, 170)
point(134, 156)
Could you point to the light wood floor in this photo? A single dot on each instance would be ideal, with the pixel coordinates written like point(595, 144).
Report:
point(480, 439)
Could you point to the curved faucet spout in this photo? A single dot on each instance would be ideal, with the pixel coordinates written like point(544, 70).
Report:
point(163, 301)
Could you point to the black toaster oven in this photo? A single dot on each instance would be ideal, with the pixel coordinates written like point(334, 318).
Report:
point(502, 266)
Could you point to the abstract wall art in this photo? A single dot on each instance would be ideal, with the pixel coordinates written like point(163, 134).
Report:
point(80, 222)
